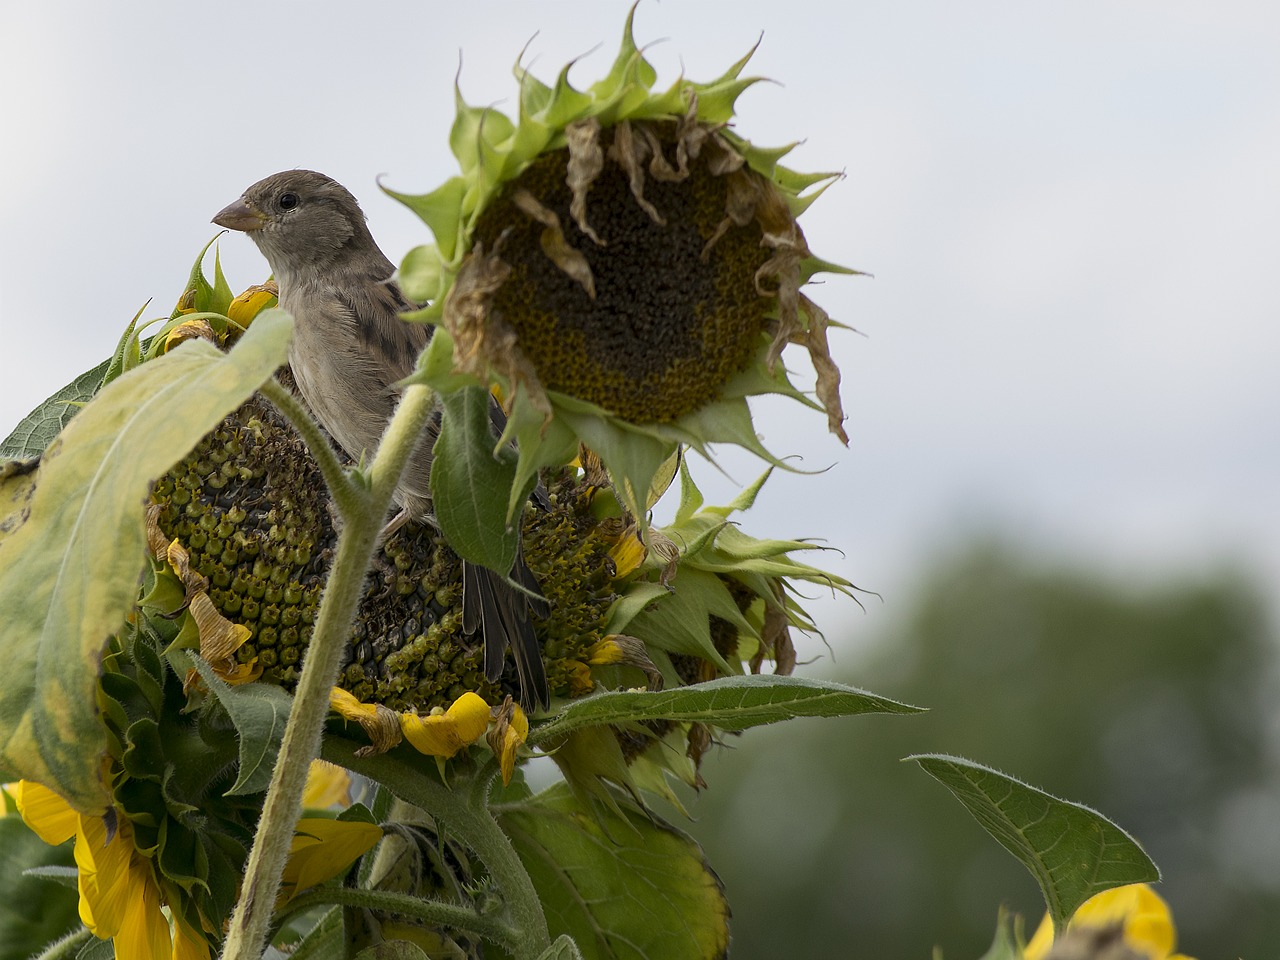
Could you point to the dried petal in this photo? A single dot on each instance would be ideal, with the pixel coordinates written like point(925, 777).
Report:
point(828, 382)
point(586, 160)
point(554, 244)
point(630, 154)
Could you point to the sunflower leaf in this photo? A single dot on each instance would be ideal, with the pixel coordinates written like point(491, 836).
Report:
point(1072, 851)
point(618, 882)
point(259, 712)
point(38, 428)
point(732, 703)
point(73, 542)
point(470, 486)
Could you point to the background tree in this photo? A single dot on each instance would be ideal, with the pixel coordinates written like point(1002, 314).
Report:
point(1149, 702)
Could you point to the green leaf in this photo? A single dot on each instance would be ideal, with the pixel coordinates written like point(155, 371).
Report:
point(470, 486)
point(731, 703)
point(33, 911)
point(1072, 851)
point(622, 885)
point(73, 543)
point(441, 211)
point(678, 622)
point(259, 712)
point(38, 428)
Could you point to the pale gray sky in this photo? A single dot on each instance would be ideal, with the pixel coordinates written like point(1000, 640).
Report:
point(1071, 211)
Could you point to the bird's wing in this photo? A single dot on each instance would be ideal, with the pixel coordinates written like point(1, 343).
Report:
point(393, 343)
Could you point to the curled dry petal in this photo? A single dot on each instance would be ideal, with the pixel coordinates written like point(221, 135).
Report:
point(554, 244)
point(510, 729)
point(618, 648)
point(828, 382)
point(630, 153)
point(482, 341)
point(381, 724)
point(666, 550)
point(586, 160)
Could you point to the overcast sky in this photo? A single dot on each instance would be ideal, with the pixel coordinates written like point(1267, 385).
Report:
point(1070, 210)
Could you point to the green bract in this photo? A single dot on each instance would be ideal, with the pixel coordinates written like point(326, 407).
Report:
point(625, 267)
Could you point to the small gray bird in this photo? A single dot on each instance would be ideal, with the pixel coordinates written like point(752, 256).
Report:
point(350, 347)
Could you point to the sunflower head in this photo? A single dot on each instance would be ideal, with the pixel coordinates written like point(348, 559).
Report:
point(626, 268)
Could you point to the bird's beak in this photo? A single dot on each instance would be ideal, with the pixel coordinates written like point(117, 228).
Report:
point(240, 216)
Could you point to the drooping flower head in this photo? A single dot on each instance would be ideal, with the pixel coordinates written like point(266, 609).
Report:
point(625, 266)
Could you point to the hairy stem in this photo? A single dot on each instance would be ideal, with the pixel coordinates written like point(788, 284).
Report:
point(250, 923)
point(437, 913)
point(335, 475)
point(464, 812)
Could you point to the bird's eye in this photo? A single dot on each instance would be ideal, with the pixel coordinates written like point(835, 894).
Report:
point(288, 201)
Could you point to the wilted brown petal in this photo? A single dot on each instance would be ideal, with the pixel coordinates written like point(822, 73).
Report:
point(586, 160)
point(784, 267)
point(483, 342)
point(659, 167)
point(594, 473)
point(383, 730)
point(828, 382)
point(743, 195)
point(630, 154)
point(553, 241)
point(690, 135)
point(722, 159)
point(665, 549)
point(219, 637)
point(634, 654)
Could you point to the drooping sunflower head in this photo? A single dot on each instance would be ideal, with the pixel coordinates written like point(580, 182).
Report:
point(625, 266)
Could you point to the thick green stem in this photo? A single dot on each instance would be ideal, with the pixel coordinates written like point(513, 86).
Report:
point(464, 811)
point(335, 475)
point(433, 912)
point(362, 525)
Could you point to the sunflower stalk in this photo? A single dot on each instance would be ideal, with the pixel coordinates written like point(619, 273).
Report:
point(363, 516)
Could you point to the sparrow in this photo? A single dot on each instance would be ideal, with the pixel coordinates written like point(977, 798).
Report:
point(350, 349)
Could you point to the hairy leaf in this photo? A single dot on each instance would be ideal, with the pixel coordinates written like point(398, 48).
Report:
point(731, 703)
point(38, 428)
point(623, 885)
point(72, 546)
point(259, 712)
point(1072, 851)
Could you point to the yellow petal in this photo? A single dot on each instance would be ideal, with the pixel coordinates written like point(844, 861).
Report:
point(44, 811)
point(188, 944)
point(324, 848)
point(1148, 924)
point(510, 730)
point(327, 784)
point(252, 302)
point(105, 875)
point(144, 929)
point(627, 554)
point(189, 330)
point(444, 734)
point(580, 682)
point(382, 724)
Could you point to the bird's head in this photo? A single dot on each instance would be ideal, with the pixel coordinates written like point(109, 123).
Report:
point(301, 220)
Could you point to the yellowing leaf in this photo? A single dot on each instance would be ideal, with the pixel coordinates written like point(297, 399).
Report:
point(69, 569)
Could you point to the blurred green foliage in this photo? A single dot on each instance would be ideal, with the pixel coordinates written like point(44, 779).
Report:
point(33, 911)
point(1151, 703)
